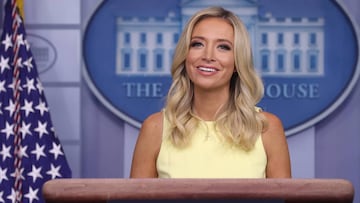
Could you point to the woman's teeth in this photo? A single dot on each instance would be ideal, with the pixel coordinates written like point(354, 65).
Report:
point(206, 69)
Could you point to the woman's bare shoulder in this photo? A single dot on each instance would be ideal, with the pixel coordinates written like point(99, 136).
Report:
point(152, 127)
point(274, 122)
point(154, 119)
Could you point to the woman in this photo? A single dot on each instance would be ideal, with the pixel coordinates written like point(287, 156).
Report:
point(210, 126)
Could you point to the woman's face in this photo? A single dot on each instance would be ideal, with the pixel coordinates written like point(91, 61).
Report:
point(210, 61)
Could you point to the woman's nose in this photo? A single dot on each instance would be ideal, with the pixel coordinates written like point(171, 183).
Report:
point(209, 54)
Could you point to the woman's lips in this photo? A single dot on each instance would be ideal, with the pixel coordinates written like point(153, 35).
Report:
point(207, 69)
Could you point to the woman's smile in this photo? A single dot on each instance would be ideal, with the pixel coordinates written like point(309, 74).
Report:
point(207, 69)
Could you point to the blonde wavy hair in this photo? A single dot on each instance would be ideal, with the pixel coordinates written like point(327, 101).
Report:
point(238, 120)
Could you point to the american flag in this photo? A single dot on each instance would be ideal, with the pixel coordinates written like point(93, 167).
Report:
point(30, 152)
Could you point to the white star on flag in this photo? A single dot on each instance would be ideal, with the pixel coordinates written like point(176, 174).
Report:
point(41, 129)
point(3, 174)
point(25, 129)
point(35, 173)
point(39, 151)
point(54, 171)
point(29, 85)
point(27, 107)
point(2, 86)
point(5, 152)
point(7, 42)
point(32, 195)
point(4, 64)
point(56, 150)
point(42, 107)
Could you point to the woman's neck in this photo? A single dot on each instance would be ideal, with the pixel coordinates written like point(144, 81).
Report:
point(208, 105)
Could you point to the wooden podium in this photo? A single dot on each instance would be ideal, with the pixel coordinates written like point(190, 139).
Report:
point(198, 190)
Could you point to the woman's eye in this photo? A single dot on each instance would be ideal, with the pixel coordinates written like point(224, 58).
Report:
point(225, 47)
point(195, 44)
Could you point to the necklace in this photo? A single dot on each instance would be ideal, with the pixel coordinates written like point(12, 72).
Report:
point(207, 131)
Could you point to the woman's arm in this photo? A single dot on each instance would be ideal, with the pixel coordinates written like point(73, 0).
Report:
point(278, 164)
point(147, 148)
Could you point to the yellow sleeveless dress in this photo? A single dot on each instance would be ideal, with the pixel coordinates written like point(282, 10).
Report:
point(209, 157)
